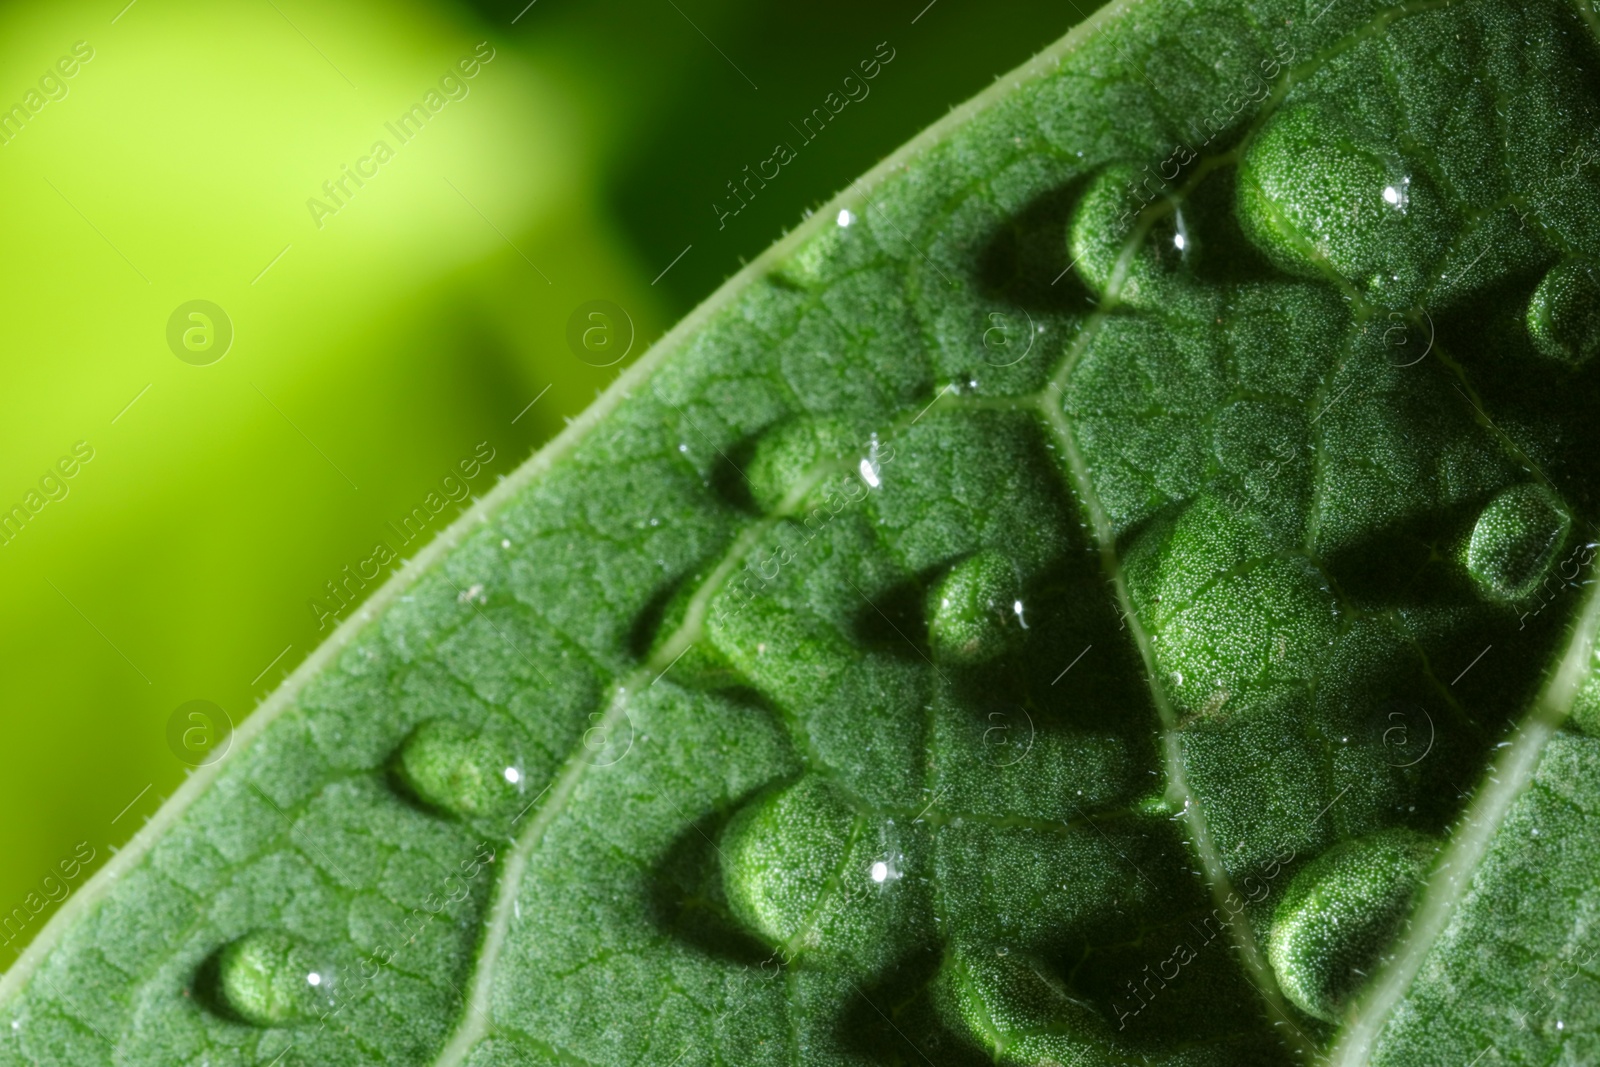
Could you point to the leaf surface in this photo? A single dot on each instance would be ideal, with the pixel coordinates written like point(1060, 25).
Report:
point(1110, 589)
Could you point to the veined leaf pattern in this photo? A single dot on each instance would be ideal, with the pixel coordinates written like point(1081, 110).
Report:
point(1111, 589)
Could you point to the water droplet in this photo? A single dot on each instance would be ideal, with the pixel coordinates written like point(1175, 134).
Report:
point(1340, 915)
point(783, 456)
point(972, 617)
point(1317, 193)
point(1515, 542)
point(458, 770)
point(1564, 313)
point(1121, 199)
point(776, 852)
point(268, 978)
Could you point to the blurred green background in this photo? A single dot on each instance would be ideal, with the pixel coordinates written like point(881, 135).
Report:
point(373, 348)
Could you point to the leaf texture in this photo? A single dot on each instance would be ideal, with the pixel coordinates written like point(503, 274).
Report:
point(1110, 589)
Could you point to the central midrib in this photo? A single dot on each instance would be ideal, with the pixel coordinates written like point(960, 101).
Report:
point(1259, 973)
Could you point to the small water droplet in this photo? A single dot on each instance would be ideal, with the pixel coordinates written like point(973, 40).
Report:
point(1563, 318)
point(1515, 542)
point(455, 769)
point(975, 610)
point(268, 978)
point(783, 456)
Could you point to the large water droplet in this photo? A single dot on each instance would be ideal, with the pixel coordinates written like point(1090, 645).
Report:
point(1319, 196)
point(461, 771)
point(1106, 221)
point(1516, 541)
point(780, 855)
point(269, 978)
point(971, 612)
point(782, 458)
point(1564, 313)
point(1341, 913)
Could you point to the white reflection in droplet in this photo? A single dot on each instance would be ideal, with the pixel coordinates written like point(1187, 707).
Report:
point(1398, 194)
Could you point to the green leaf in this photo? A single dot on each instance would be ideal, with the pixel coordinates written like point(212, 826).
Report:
point(1111, 588)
